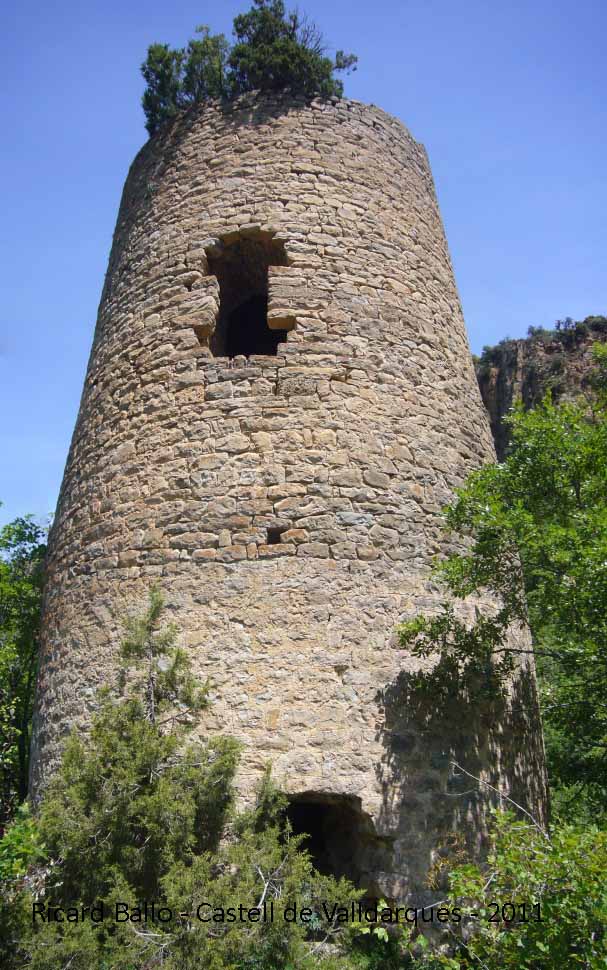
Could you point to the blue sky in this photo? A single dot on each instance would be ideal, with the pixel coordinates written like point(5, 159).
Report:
point(509, 100)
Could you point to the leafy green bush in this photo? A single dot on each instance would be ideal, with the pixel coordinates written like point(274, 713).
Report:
point(20, 849)
point(274, 49)
point(20, 846)
point(177, 78)
point(539, 904)
point(570, 332)
point(502, 354)
point(596, 323)
point(22, 550)
point(136, 813)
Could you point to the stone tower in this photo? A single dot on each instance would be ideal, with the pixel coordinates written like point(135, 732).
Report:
point(279, 400)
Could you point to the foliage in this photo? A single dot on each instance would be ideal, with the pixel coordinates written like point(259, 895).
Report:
point(539, 543)
point(570, 332)
point(22, 551)
point(137, 813)
point(539, 904)
point(273, 49)
point(160, 676)
point(537, 527)
point(20, 845)
point(177, 78)
point(536, 331)
point(501, 354)
point(130, 784)
point(20, 849)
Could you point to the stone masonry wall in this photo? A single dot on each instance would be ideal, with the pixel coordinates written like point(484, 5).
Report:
point(345, 445)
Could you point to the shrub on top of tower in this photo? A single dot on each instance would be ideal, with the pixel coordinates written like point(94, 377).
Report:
point(274, 49)
point(176, 78)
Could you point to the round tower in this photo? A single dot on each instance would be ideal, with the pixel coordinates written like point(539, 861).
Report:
point(280, 399)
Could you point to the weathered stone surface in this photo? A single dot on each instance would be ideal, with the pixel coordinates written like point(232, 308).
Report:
point(288, 504)
point(524, 370)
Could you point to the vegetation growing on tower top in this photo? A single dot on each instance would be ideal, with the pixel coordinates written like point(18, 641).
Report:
point(273, 49)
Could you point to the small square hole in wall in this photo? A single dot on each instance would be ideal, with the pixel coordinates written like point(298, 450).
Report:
point(274, 535)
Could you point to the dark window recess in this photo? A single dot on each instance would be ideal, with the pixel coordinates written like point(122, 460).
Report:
point(274, 535)
point(241, 268)
point(341, 838)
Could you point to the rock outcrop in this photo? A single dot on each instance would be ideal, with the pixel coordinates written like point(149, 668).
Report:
point(559, 361)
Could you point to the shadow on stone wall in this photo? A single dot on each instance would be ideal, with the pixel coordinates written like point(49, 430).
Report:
point(438, 717)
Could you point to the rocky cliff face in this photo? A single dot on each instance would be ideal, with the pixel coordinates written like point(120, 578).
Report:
point(557, 360)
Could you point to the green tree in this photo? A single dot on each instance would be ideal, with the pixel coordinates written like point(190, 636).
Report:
point(273, 50)
point(130, 784)
point(137, 813)
point(177, 78)
point(22, 550)
point(538, 903)
point(537, 532)
point(557, 886)
point(163, 74)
